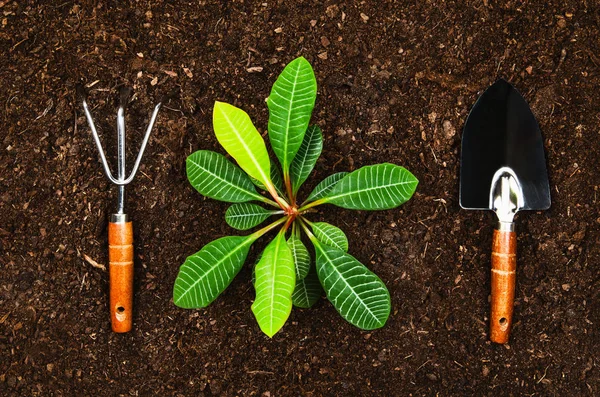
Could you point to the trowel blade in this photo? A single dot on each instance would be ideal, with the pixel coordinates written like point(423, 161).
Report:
point(501, 131)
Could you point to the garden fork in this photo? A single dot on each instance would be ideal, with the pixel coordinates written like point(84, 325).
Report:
point(120, 228)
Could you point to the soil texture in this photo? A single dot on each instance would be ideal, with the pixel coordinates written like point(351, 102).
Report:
point(396, 81)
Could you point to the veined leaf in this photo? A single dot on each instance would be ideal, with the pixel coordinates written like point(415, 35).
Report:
point(244, 216)
point(356, 293)
point(308, 290)
point(300, 255)
point(307, 157)
point(214, 176)
point(290, 103)
point(236, 133)
point(374, 187)
point(330, 235)
point(275, 281)
point(325, 186)
point(204, 275)
point(275, 178)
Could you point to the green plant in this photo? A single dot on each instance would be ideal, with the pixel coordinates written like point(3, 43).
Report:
point(284, 275)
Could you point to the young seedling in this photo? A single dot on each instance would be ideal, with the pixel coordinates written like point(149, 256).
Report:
point(285, 274)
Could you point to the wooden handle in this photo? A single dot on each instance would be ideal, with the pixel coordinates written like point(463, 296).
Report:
point(120, 258)
point(504, 264)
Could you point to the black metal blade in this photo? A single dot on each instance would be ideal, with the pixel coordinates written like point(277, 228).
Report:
point(501, 131)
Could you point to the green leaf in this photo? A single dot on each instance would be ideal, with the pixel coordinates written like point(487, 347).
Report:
point(214, 176)
point(330, 235)
point(325, 186)
point(236, 133)
point(244, 216)
point(374, 187)
point(301, 256)
point(290, 103)
point(308, 291)
point(275, 178)
point(356, 293)
point(204, 275)
point(307, 157)
point(275, 281)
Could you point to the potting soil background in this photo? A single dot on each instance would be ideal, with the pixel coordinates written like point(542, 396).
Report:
point(396, 81)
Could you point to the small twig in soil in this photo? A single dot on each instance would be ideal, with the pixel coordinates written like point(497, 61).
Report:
point(402, 334)
point(146, 175)
point(49, 104)
point(94, 263)
point(82, 282)
point(16, 45)
point(422, 365)
point(433, 152)
point(543, 376)
point(563, 56)
point(260, 373)
point(337, 162)
point(174, 110)
point(3, 319)
point(441, 200)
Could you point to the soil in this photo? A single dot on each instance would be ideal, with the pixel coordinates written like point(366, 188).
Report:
point(396, 81)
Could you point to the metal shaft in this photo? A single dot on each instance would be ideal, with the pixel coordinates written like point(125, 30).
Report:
point(121, 156)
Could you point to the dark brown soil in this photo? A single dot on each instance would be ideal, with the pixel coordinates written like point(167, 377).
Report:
point(396, 80)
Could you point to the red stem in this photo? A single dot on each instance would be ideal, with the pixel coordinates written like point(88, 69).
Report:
point(282, 203)
point(289, 221)
point(288, 188)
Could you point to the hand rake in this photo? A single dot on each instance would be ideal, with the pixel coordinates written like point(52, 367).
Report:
point(120, 228)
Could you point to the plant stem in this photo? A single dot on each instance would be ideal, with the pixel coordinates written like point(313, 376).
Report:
point(281, 202)
point(311, 205)
point(309, 223)
point(268, 201)
point(288, 188)
point(302, 221)
point(296, 229)
point(257, 234)
point(287, 224)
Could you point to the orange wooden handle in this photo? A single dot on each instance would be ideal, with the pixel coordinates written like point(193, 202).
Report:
point(504, 264)
point(120, 258)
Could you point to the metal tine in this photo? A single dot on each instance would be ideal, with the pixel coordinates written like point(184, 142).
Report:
point(124, 94)
point(124, 97)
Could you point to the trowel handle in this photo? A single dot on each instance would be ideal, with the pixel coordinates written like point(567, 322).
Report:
point(120, 258)
point(504, 263)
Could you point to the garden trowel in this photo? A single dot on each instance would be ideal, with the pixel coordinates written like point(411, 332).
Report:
point(503, 169)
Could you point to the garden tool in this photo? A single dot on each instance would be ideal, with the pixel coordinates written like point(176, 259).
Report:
point(503, 169)
point(120, 228)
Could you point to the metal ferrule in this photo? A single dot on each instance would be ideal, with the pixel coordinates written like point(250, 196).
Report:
point(505, 226)
point(119, 218)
